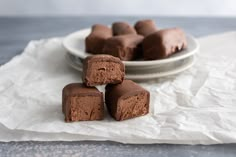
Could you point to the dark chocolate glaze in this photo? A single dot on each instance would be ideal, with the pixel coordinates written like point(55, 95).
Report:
point(163, 43)
point(94, 42)
point(115, 93)
point(77, 90)
point(88, 70)
point(126, 47)
point(122, 28)
point(145, 27)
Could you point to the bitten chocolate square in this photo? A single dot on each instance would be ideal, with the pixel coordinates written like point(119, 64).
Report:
point(122, 28)
point(126, 100)
point(81, 103)
point(94, 42)
point(125, 47)
point(102, 69)
point(163, 43)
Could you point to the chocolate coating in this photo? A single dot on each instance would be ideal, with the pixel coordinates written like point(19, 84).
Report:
point(126, 100)
point(102, 69)
point(163, 43)
point(145, 27)
point(122, 28)
point(81, 103)
point(126, 47)
point(94, 42)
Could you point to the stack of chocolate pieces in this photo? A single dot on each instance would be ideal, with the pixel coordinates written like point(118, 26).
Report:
point(124, 99)
point(143, 41)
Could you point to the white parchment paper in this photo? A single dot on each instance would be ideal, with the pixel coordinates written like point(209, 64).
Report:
point(197, 106)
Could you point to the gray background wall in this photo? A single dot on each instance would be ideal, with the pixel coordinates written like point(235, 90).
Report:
point(118, 7)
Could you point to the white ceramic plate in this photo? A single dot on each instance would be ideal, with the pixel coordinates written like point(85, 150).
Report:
point(75, 44)
point(170, 69)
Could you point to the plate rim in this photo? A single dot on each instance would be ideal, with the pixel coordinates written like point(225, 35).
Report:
point(178, 70)
point(135, 63)
point(152, 75)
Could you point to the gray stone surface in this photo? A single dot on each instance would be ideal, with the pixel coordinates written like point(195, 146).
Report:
point(15, 33)
point(112, 149)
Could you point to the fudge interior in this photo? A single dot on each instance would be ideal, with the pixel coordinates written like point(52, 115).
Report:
point(81, 108)
point(105, 71)
point(132, 106)
point(80, 103)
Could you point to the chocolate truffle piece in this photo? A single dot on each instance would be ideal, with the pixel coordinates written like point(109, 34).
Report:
point(126, 47)
point(163, 43)
point(94, 42)
point(126, 100)
point(102, 69)
point(121, 28)
point(145, 27)
point(81, 103)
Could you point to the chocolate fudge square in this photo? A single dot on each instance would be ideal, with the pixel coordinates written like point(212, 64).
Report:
point(145, 27)
point(81, 103)
point(122, 28)
point(126, 100)
point(126, 47)
point(94, 42)
point(102, 69)
point(163, 43)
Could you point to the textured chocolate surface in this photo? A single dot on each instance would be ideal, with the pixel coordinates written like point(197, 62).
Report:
point(126, 47)
point(94, 42)
point(126, 100)
point(163, 43)
point(102, 69)
point(81, 103)
point(145, 27)
point(122, 28)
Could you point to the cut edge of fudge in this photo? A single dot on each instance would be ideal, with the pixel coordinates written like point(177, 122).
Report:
point(126, 101)
point(102, 69)
point(81, 103)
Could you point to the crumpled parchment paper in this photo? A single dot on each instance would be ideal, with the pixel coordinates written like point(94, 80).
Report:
point(197, 106)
